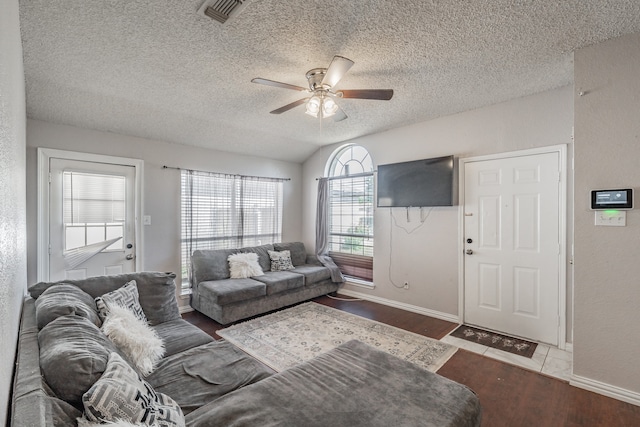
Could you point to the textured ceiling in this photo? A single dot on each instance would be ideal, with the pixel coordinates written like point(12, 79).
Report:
point(159, 70)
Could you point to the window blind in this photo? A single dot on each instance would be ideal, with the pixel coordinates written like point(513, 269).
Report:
point(227, 211)
point(351, 225)
point(93, 209)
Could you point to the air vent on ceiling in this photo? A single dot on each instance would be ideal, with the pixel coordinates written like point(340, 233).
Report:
point(221, 10)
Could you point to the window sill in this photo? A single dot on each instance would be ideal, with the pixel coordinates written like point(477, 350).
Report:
point(359, 282)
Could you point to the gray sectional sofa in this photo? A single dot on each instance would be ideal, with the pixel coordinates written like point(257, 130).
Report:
point(215, 383)
point(227, 300)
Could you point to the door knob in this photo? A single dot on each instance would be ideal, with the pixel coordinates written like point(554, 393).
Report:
point(468, 251)
point(130, 257)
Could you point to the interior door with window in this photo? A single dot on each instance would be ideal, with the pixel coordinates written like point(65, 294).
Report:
point(91, 219)
point(513, 245)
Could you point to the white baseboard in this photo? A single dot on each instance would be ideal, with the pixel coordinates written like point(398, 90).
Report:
point(183, 303)
point(185, 309)
point(605, 389)
point(408, 307)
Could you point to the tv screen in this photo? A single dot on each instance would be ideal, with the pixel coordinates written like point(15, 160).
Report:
point(418, 183)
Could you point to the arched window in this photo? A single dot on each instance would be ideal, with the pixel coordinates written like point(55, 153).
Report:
point(350, 172)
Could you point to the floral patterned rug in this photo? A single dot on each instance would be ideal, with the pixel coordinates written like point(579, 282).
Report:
point(289, 337)
point(491, 339)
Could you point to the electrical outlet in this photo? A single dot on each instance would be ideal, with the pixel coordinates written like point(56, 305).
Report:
point(406, 285)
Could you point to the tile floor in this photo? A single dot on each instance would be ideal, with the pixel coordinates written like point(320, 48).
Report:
point(546, 359)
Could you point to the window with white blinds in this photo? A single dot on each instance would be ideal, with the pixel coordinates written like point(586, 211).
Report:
point(228, 211)
point(93, 209)
point(351, 225)
point(351, 211)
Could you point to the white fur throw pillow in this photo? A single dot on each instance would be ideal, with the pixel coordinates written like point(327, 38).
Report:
point(137, 340)
point(244, 265)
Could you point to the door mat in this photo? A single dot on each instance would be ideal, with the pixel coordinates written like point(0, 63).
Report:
point(491, 339)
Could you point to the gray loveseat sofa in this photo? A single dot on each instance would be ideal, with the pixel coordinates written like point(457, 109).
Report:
point(216, 384)
point(227, 300)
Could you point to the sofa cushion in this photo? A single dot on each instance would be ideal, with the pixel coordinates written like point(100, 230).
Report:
point(280, 281)
point(209, 265)
point(157, 291)
point(232, 290)
point(263, 255)
point(297, 250)
point(63, 299)
point(207, 372)
point(73, 355)
point(312, 273)
point(121, 395)
point(179, 335)
point(352, 385)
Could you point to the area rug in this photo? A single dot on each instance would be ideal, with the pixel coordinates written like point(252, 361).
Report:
point(286, 338)
point(494, 340)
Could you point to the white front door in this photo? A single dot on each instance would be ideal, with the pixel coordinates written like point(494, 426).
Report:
point(91, 219)
point(512, 233)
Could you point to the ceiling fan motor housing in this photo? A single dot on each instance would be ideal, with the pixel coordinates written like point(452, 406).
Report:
point(315, 77)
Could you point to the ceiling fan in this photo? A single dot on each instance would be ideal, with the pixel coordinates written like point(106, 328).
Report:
point(322, 82)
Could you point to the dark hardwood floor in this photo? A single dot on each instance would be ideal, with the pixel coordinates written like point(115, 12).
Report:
point(510, 396)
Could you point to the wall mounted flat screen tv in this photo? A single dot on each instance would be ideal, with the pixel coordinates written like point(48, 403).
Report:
point(418, 183)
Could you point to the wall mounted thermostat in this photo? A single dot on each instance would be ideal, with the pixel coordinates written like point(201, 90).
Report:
point(612, 199)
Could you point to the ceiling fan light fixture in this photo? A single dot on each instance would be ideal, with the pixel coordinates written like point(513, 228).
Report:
point(329, 107)
point(314, 104)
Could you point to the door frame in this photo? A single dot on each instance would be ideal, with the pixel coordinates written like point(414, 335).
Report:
point(562, 256)
point(44, 155)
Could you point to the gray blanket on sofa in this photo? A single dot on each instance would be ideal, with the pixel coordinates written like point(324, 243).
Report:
point(353, 385)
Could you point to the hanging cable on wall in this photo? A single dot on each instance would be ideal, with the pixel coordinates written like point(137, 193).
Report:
point(392, 222)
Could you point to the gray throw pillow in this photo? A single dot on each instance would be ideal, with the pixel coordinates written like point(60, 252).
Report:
point(73, 355)
point(64, 299)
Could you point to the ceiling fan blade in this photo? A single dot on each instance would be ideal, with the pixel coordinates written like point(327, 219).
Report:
point(337, 69)
point(289, 106)
point(339, 115)
point(381, 94)
point(277, 84)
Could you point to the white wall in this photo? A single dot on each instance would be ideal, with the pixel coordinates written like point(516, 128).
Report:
point(428, 258)
point(161, 186)
point(607, 271)
point(13, 270)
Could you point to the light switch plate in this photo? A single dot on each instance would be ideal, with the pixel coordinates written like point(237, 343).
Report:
point(611, 218)
point(146, 220)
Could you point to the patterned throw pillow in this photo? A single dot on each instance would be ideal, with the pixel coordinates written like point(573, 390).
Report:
point(281, 261)
point(244, 265)
point(120, 394)
point(126, 296)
